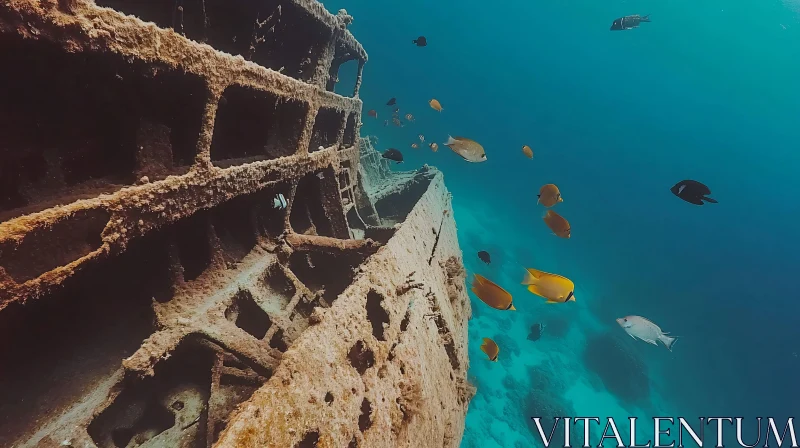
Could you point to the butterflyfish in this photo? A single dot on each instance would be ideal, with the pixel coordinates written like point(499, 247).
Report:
point(527, 151)
point(549, 195)
point(492, 294)
point(553, 287)
point(490, 348)
point(557, 224)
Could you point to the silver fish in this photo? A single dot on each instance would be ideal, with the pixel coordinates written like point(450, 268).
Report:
point(640, 328)
point(470, 150)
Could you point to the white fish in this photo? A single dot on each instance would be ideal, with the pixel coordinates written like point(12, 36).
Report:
point(279, 201)
point(640, 328)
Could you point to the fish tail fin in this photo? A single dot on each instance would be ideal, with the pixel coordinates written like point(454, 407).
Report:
point(646, 18)
point(538, 198)
point(450, 141)
point(668, 341)
point(414, 41)
point(529, 278)
point(708, 199)
point(511, 307)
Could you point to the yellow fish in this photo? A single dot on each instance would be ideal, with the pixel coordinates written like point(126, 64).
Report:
point(491, 349)
point(549, 195)
point(553, 287)
point(527, 151)
point(557, 224)
point(435, 105)
point(491, 294)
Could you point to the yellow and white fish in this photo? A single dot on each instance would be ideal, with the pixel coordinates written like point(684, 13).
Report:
point(470, 150)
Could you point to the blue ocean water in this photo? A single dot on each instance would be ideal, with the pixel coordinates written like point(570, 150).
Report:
point(708, 91)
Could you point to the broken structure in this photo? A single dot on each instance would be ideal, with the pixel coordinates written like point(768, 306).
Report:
point(151, 295)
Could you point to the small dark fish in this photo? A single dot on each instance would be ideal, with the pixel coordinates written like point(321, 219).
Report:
point(484, 256)
point(536, 332)
point(629, 22)
point(420, 41)
point(393, 154)
point(391, 102)
point(692, 192)
point(372, 113)
point(385, 123)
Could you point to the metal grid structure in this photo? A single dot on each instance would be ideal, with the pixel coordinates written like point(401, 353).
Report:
point(148, 286)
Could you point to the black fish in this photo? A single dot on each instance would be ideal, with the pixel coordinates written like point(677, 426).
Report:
point(692, 192)
point(484, 256)
point(420, 41)
point(393, 154)
point(629, 22)
point(536, 332)
point(391, 102)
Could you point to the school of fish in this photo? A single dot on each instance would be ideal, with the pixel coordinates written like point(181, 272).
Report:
point(553, 288)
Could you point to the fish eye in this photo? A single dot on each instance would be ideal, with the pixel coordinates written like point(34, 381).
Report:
point(624, 320)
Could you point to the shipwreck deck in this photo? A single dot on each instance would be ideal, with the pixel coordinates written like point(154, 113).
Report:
point(150, 293)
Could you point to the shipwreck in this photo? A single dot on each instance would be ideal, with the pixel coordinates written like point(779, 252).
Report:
point(152, 291)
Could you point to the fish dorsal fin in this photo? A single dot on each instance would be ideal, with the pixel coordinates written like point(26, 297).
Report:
point(530, 277)
point(549, 274)
point(479, 279)
point(649, 321)
point(464, 139)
